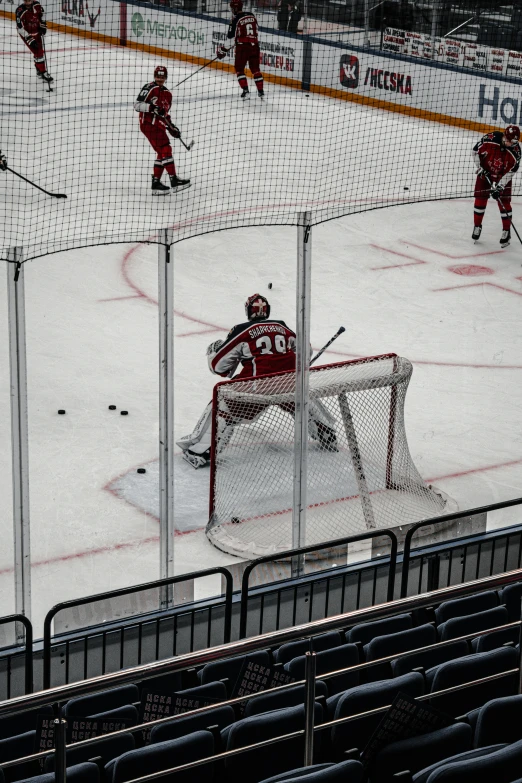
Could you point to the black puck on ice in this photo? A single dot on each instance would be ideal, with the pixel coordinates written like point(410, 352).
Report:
point(141, 470)
point(270, 285)
point(406, 188)
point(235, 520)
point(124, 413)
point(61, 412)
point(112, 407)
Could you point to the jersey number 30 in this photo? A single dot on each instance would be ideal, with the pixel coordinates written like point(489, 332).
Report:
point(265, 343)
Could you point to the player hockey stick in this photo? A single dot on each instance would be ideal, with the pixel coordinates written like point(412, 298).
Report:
point(199, 69)
point(500, 199)
point(49, 88)
point(55, 195)
point(328, 344)
point(187, 146)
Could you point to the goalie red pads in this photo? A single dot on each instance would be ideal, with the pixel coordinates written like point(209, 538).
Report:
point(260, 346)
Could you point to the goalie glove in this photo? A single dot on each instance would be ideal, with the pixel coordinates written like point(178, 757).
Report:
point(496, 191)
point(221, 52)
point(3, 162)
point(214, 347)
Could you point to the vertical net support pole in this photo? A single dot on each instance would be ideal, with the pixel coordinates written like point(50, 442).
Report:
point(19, 435)
point(434, 25)
point(166, 413)
point(355, 454)
point(366, 23)
point(304, 265)
point(305, 17)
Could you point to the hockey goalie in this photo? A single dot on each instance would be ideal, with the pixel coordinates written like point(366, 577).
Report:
point(261, 345)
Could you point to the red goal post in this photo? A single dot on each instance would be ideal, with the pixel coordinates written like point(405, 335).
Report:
point(360, 472)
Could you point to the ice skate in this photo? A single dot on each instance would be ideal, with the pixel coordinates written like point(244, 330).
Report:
point(177, 184)
point(261, 94)
point(505, 238)
point(245, 95)
point(158, 188)
point(45, 77)
point(196, 460)
point(477, 231)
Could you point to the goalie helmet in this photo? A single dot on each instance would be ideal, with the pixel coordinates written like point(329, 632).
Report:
point(512, 133)
point(236, 6)
point(257, 307)
point(160, 71)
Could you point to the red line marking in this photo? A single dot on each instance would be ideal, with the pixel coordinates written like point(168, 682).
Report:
point(431, 363)
point(119, 298)
point(203, 331)
point(449, 255)
point(395, 253)
point(474, 285)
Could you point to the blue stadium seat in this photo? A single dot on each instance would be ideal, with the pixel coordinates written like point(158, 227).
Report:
point(460, 607)
point(165, 683)
point(430, 658)
point(511, 596)
point(289, 697)
point(213, 691)
point(345, 772)
point(81, 773)
point(107, 749)
point(230, 668)
point(21, 722)
point(86, 706)
point(491, 641)
point(129, 713)
point(416, 753)
point(255, 765)
point(382, 646)
point(501, 765)
point(164, 755)
point(424, 774)
point(329, 661)
point(467, 669)
point(290, 650)
point(17, 747)
point(365, 632)
point(356, 733)
point(182, 725)
point(499, 720)
point(481, 621)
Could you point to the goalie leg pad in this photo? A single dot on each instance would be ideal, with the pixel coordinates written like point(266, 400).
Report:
point(197, 460)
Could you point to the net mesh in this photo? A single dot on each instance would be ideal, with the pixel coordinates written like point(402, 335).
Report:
point(340, 130)
point(360, 472)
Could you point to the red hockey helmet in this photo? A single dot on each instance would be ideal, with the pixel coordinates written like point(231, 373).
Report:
point(256, 306)
point(236, 6)
point(160, 71)
point(512, 133)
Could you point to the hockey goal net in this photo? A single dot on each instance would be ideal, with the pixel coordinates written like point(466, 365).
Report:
point(360, 471)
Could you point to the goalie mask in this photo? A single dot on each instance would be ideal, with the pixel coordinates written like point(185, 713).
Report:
point(257, 307)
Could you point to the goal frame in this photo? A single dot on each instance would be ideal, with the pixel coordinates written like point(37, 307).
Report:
point(312, 369)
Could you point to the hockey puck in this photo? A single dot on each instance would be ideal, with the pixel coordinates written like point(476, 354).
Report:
point(141, 470)
point(61, 412)
point(124, 413)
point(270, 285)
point(406, 188)
point(235, 520)
point(112, 407)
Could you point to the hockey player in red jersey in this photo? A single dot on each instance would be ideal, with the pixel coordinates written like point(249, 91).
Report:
point(244, 30)
point(497, 158)
point(261, 345)
point(153, 104)
point(32, 26)
point(3, 162)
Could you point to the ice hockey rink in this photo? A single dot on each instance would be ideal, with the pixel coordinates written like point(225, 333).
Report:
point(407, 280)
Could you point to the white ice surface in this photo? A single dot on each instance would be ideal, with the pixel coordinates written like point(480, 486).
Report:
point(406, 279)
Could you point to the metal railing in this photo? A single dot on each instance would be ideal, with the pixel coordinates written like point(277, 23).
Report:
point(245, 646)
point(28, 653)
point(300, 552)
point(160, 584)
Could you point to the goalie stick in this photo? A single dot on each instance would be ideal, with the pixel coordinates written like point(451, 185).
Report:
point(55, 195)
point(328, 344)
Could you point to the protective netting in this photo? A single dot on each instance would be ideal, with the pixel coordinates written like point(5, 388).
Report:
point(360, 472)
point(340, 130)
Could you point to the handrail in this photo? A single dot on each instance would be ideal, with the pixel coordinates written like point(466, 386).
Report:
point(245, 646)
point(314, 548)
point(128, 591)
point(436, 520)
point(28, 668)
